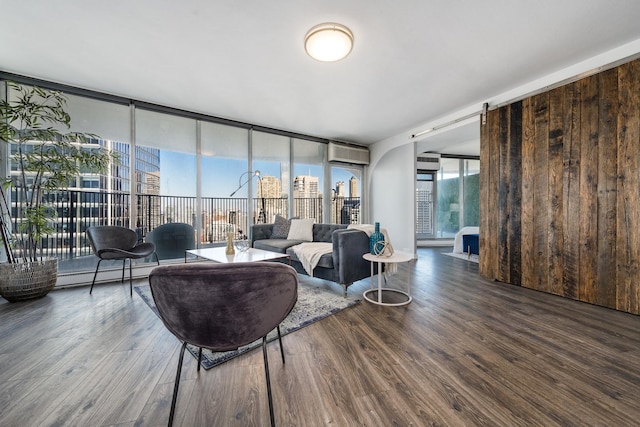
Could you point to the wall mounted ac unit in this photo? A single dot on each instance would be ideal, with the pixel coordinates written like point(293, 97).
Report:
point(428, 162)
point(348, 154)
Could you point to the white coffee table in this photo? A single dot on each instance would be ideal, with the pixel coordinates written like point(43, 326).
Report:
point(218, 254)
point(397, 257)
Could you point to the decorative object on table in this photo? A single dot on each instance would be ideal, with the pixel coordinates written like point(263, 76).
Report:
point(230, 250)
point(376, 241)
point(384, 249)
point(242, 245)
point(47, 156)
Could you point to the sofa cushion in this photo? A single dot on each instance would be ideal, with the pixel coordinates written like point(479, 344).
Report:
point(281, 227)
point(275, 245)
point(301, 229)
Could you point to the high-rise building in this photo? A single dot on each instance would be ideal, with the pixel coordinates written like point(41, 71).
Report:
point(305, 186)
point(307, 198)
point(353, 187)
point(269, 187)
point(269, 193)
point(340, 189)
point(105, 198)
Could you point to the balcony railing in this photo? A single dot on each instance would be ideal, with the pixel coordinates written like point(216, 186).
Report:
point(78, 210)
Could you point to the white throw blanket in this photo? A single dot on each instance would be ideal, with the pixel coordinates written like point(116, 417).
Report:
point(390, 268)
point(309, 254)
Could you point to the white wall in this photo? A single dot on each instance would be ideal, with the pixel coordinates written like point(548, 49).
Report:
point(392, 202)
point(391, 172)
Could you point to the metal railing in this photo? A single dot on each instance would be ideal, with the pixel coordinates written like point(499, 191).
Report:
point(75, 211)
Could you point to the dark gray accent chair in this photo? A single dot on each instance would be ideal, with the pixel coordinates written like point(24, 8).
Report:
point(172, 239)
point(223, 307)
point(110, 242)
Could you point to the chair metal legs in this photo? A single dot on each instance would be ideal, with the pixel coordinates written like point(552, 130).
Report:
point(280, 341)
point(266, 372)
point(130, 277)
point(94, 276)
point(124, 264)
point(177, 384)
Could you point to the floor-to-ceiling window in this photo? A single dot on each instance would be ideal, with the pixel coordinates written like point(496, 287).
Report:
point(175, 166)
point(224, 169)
point(270, 155)
point(165, 170)
point(346, 188)
point(447, 199)
point(308, 179)
point(425, 201)
point(471, 188)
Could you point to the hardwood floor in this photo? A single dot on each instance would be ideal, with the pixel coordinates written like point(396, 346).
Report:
point(466, 351)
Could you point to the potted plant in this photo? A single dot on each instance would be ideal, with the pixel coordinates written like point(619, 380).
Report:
point(35, 127)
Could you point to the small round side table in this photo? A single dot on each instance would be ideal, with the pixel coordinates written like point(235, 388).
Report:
point(397, 257)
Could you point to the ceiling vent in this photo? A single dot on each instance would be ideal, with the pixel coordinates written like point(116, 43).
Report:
point(348, 154)
point(428, 162)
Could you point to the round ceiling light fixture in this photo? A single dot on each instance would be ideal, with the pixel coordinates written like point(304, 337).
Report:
point(328, 42)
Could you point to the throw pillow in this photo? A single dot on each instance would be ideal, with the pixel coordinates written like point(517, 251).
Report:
point(280, 227)
point(301, 229)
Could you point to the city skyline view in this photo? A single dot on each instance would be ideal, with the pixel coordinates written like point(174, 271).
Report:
point(221, 177)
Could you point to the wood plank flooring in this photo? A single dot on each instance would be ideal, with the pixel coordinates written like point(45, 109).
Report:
point(466, 351)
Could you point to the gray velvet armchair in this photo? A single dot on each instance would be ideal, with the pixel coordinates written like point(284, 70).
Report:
point(224, 306)
point(110, 242)
point(172, 239)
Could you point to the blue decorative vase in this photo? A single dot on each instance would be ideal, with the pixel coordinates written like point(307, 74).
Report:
point(376, 241)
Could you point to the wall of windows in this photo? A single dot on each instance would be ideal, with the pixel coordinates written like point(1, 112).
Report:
point(458, 190)
point(448, 199)
point(176, 166)
point(346, 196)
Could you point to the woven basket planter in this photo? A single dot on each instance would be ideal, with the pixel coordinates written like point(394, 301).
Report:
point(27, 280)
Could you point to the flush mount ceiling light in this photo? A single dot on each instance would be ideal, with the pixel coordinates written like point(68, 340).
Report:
point(328, 42)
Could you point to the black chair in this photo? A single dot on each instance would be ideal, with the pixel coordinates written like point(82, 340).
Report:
point(117, 243)
point(223, 307)
point(172, 239)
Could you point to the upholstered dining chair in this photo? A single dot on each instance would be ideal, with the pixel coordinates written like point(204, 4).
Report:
point(223, 307)
point(117, 243)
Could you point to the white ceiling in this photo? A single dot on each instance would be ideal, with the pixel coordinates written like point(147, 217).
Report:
point(413, 60)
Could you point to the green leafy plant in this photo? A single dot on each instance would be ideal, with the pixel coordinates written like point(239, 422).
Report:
point(48, 157)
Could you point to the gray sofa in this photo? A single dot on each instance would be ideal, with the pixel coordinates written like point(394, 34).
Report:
point(344, 265)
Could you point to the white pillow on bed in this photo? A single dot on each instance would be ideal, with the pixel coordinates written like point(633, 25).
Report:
point(301, 229)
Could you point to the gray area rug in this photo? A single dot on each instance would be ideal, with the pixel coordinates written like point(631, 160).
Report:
point(472, 258)
point(315, 302)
